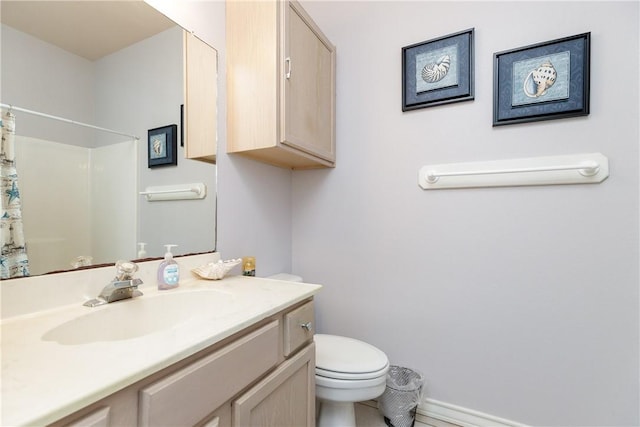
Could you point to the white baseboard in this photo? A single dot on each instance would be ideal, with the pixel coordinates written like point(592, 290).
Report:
point(460, 416)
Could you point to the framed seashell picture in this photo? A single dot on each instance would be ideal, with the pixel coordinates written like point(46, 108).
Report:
point(162, 146)
point(438, 71)
point(545, 81)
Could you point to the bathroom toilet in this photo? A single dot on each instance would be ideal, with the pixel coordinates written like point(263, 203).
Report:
point(347, 371)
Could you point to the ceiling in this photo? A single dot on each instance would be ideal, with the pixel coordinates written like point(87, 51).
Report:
point(90, 29)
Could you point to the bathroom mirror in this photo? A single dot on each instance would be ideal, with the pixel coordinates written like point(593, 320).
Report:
point(116, 65)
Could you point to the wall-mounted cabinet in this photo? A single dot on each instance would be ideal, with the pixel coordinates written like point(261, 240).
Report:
point(200, 98)
point(281, 85)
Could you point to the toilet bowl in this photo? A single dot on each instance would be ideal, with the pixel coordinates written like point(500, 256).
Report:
point(347, 371)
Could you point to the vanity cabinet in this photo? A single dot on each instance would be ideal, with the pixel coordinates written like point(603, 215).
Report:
point(245, 380)
point(200, 97)
point(280, 85)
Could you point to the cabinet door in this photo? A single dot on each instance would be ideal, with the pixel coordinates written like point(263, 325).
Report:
point(200, 99)
point(221, 417)
point(284, 398)
point(309, 86)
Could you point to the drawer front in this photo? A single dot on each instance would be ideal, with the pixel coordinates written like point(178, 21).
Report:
point(187, 396)
point(299, 328)
point(98, 418)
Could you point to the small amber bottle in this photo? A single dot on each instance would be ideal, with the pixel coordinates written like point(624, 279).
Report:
point(248, 266)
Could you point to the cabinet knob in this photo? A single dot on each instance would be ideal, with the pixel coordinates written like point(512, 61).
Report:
point(306, 326)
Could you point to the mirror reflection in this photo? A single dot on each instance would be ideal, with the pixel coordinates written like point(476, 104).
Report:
point(118, 66)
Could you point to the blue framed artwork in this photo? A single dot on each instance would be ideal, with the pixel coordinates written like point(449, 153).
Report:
point(438, 71)
point(544, 81)
point(163, 146)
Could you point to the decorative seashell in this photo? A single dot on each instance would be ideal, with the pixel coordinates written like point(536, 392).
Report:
point(216, 270)
point(543, 77)
point(435, 72)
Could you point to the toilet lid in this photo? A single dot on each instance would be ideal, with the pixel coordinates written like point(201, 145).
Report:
point(342, 357)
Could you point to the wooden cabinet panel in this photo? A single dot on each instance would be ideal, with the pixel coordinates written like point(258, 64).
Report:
point(119, 409)
point(252, 75)
point(189, 395)
point(98, 418)
point(286, 397)
point(280, 85)
point(308, 87)
point(221, 417)
point(200, 99)
point(298, 328)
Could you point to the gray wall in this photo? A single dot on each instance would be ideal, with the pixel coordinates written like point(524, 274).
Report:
point(518, 302)
point(67, 80)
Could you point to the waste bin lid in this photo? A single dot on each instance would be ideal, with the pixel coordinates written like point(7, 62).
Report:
point(348, 355)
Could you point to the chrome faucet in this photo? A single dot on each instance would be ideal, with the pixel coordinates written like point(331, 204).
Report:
point(123, 286)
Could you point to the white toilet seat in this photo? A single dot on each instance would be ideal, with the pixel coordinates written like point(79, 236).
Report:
point(352, 376)
point(347, 358)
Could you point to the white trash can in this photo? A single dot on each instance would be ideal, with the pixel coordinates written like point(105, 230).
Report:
point(401, 397)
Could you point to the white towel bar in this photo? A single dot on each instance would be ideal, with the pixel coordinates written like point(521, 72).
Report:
point(175, 192)
point(573, 169)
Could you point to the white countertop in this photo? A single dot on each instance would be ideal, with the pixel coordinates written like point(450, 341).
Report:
point(43, 381)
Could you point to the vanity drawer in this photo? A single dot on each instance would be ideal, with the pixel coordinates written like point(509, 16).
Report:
point(190, 394)
point(299, 328)
point(97, 418)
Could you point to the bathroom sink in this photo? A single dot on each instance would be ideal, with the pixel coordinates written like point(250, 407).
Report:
point(144, 315)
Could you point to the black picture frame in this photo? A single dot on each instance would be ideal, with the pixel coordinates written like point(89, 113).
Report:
point(181, 125)
point(438, 71)
point(163, 146)
point(544, 81)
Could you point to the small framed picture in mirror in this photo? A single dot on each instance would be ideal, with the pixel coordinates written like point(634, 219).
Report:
point(163, 146)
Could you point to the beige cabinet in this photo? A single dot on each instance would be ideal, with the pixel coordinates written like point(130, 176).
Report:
point(280, 85)
point(200, 99)
point(285, 398)
point(263, 376)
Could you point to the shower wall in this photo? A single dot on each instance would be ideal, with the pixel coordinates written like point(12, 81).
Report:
point(68, 203)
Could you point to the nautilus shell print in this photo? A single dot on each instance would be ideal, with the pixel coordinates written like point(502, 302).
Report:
point(157, 146)
point(539, 80)
point(436, 71)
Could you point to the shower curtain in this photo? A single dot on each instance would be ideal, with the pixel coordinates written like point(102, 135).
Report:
point(13, 257)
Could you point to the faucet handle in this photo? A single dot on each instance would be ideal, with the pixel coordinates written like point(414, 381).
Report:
point(125, 270)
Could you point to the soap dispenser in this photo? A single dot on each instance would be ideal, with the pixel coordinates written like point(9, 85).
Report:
point(142, 253)
point(168, 271)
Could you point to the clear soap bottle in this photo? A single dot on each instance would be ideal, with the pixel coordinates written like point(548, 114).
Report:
point(168, 271)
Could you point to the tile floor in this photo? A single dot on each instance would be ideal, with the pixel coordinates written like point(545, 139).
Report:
point(367, 416)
